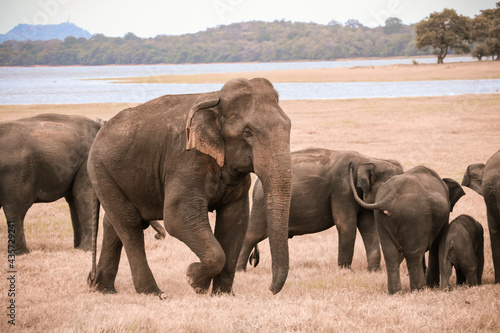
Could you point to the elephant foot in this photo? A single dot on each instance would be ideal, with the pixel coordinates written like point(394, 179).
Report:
point(196, 278)
point(86, 247)
point(97, 286)
point(241, 268)
point(22, 250)
point(345, 266)
point(374, 269)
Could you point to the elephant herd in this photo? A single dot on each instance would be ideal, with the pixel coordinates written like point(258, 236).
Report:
point(177, 157)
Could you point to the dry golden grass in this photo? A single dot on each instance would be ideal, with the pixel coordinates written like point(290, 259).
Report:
point(449, 71)
point(444, 133)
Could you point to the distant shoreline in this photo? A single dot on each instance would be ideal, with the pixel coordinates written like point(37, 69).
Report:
point(249, 62)
point(474, 70)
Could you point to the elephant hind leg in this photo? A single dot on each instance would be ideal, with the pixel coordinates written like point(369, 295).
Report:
point(123, 227)
point(466, 268)
point(416, 271)
point(109, 260)
point(77, 235)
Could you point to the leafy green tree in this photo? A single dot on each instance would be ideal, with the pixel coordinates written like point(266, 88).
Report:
point(485, 33)
point(443, 32)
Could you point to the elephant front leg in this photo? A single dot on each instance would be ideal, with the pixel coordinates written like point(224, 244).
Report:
point(493, 213)
point(368, 231)
point(346, 227)
point(230, 230)
point(191, 226)
point(109, 260)
point(80, 204)
point(256, 232)
point(15, 227)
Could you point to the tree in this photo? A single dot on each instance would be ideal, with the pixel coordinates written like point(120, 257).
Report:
point(485, 33)
point(393, 25)
point(354, 24)
point(443, 32)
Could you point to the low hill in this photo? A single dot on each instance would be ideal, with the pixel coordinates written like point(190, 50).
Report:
point(25, 32)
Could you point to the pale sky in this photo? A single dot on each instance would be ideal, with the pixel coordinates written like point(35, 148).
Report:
point(149, 18)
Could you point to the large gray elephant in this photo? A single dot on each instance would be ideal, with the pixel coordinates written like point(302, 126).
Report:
point(321, 198)
point(462, 247)
point(42, 159)
point(412, 212)
point(179, 156)
point(485, 180)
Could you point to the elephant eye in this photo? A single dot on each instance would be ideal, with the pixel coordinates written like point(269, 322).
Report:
point(247, 133)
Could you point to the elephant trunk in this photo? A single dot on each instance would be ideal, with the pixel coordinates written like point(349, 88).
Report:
point(275, 173)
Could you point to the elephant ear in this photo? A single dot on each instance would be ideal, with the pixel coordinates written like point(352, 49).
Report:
point(203, 130)
point(473, 177)
point(365, 176)
point(455, 191)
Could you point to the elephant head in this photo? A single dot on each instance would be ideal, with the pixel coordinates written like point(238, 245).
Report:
point(372, 175)
point(244, 129)
point(473, 177)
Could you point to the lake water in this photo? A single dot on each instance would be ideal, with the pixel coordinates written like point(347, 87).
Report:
point(60, 85)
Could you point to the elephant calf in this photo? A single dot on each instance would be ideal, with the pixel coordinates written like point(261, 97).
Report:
point(411, 214)
point(42, 159)
point(462, 247)
point(321, 198)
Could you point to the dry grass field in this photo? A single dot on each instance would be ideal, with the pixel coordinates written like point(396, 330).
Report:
point(444, 133)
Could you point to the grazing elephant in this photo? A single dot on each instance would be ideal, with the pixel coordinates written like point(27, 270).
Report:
point(42, 159)
point(485, 180)
point(179, 156)
point(411, 212)
point(462, 247)
point(321, 198)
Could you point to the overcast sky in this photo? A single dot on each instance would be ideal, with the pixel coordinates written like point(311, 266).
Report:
point(149, 18)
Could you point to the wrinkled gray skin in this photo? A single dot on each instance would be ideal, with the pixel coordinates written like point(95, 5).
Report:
point(485, 180)
point(412, 212)
point(42, 159)
point(179, 156)
point(322, 198)
point(462, 247)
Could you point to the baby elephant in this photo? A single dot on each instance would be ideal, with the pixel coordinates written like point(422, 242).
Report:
point(462, 247)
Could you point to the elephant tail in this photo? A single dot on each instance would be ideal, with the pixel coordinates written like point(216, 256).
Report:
point(254, 257)
point(95, 228)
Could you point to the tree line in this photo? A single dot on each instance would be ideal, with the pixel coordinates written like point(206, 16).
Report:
point(439, 34)
point(239, 42)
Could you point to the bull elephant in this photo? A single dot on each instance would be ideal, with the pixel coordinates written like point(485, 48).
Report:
point(177, 157)
point(485, 180)
point(411, 213)
point(42, 159)
point(462, 247)
point(321, 198)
